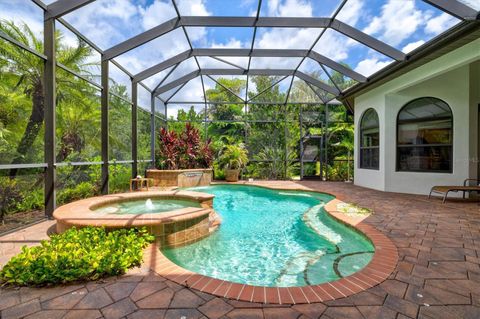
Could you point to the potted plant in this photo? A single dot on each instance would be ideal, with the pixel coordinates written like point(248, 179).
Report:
point(233, 159)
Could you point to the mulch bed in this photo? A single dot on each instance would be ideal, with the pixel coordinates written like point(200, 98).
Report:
point(16, 220)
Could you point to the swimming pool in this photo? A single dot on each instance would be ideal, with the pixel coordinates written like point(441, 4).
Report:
point(274, 238)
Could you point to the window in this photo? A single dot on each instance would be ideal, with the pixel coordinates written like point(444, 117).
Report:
point(369, 140)
point(425, 136)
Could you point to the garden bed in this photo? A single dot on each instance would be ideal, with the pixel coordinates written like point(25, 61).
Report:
point(16, 220)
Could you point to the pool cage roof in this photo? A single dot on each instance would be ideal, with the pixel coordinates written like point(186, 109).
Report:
point(187, 45)
point(178, 49)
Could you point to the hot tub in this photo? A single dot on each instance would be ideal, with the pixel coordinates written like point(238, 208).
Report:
point(176, 218)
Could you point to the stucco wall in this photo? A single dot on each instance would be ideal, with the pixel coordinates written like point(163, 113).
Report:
point(452, 78)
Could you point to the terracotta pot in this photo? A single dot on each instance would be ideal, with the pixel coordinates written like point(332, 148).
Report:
point(231, 175)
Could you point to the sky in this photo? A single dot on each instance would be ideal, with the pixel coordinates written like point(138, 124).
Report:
point(403, 24)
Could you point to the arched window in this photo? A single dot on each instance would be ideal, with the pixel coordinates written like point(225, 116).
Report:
point(369, 140)
point(425, 136)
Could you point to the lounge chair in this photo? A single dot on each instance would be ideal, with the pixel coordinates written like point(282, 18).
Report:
point(465, 188)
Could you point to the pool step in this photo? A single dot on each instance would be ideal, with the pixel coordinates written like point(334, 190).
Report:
point(296, 266)
point(214, 221)
point(311, 220)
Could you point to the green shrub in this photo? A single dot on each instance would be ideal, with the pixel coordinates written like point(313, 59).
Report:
point(79, 191)
point(119, 179)
point(77, 254)
point(219, 173)
point(31, 200)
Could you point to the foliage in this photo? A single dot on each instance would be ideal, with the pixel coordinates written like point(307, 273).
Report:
point(9, 196)
point(338, 170)
point(184, 150)
point(119, 177)
point(206, 154)
point(77, 123)
point(78, 254)
point(34, 200)
point(79, 191)
point(167, 155)
point(226, 118)
point(24, 73)
point(191, 116)
point(272, 164)
point(234, 157)
point(189, 147)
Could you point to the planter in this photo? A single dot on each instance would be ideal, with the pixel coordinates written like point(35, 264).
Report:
point(231, 175)
point(181, 177)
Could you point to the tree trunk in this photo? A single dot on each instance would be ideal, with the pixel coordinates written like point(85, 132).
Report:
point(34, 126)
point(69, 142)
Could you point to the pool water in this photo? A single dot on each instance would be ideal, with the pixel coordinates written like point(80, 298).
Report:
point(274, 238)
point(146, 206)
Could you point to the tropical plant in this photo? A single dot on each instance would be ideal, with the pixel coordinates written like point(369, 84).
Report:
point(78, 254)
point(205, 158)
point(234, 157)
point(183, 151)
point(167, 154)
point(272, 164)
point(226, 118)
point(189, 147)
point(27, 69)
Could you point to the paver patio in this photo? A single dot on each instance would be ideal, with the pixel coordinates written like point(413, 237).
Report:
point(438, 274)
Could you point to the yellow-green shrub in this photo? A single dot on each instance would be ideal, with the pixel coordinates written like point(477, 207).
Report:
point(77, 254)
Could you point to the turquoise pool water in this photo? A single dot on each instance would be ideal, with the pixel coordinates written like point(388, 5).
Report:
point(145, 206)
point(274, 238)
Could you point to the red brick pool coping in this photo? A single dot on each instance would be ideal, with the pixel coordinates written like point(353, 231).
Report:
point(383, 263)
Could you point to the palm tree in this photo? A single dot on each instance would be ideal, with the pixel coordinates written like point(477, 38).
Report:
point(28, 69)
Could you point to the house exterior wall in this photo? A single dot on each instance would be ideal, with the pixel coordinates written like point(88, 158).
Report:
point(453, 78)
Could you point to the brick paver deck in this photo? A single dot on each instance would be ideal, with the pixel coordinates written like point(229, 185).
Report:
point(438, 274)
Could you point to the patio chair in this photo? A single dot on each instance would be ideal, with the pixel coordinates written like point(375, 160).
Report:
point(465, 188)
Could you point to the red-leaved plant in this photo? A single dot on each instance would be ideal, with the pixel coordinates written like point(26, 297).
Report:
point(168, 152)
point(183, 151)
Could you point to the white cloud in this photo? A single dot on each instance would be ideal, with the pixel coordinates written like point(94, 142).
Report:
point(191, 92)
point(334, 45)
point(154, 51)
point(286, 38)
point(440, 23)
point(103, 22)
point(397, 21)
point(152, 81)
point(351, 12)
point(371, 65)
point(412, 46)
point(231, 43)
point(23, 11)
point(161, 11)
point(289, 8)
point(274, 63)
point(157, 13)
point(194, 8)
point(118, 9)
